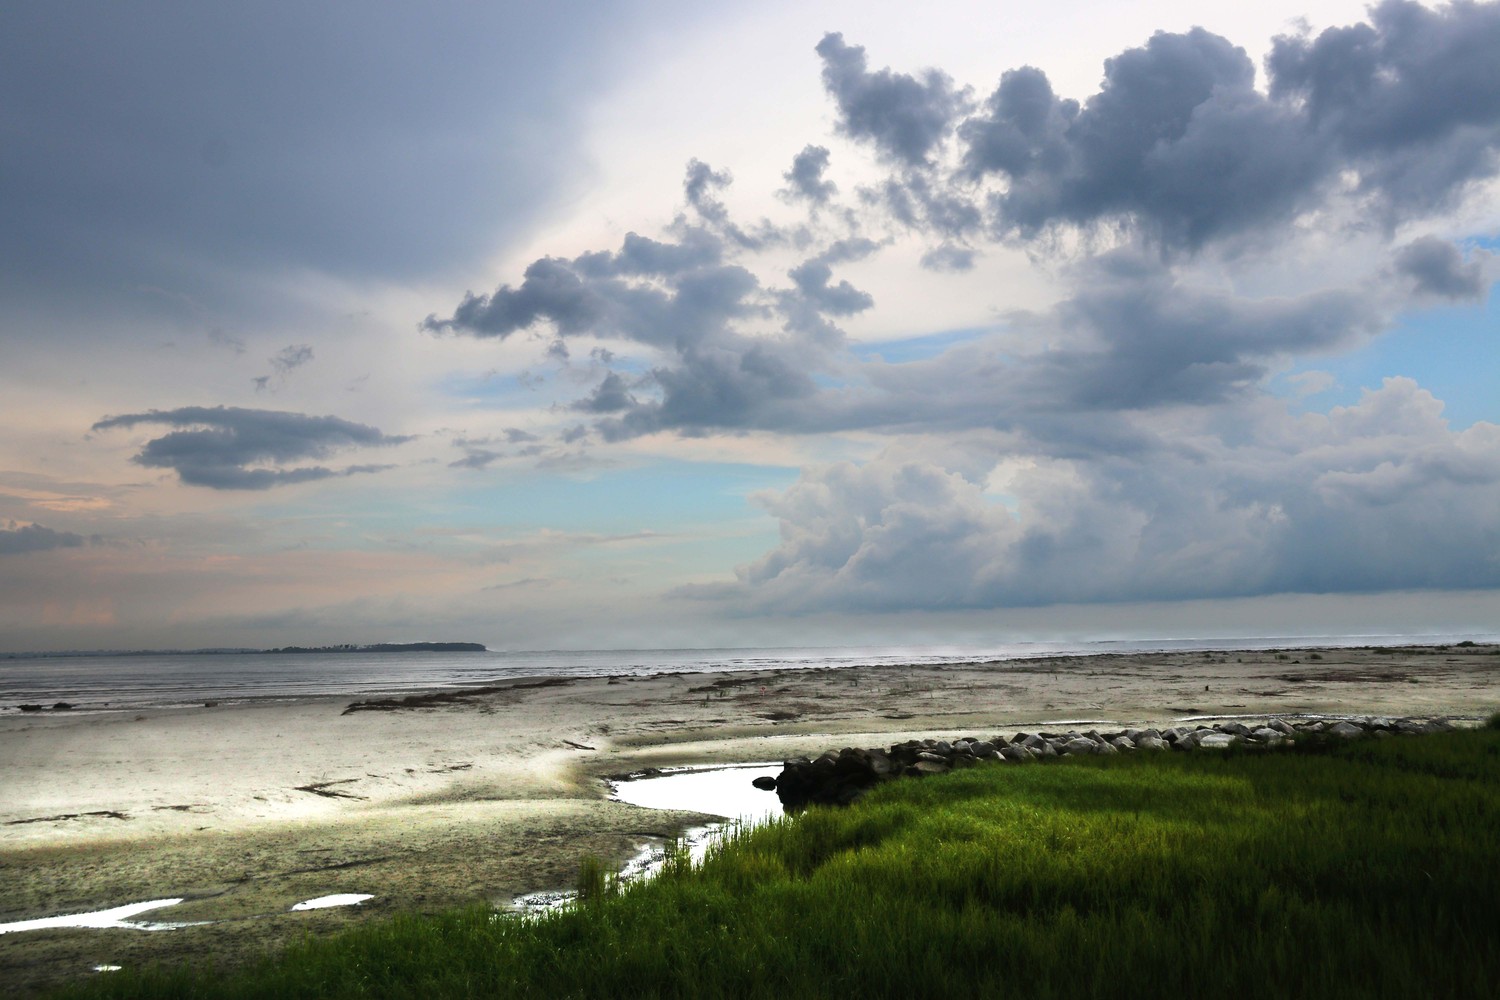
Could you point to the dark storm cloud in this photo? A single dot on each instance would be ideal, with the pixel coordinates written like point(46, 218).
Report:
point(1180, 144)
point(805, 179)
point(1438, 268)
point(906, 118)
point(1178, 140)
point(16, 539)
point(226, 447)
point(1411, 98)
point(180, 145)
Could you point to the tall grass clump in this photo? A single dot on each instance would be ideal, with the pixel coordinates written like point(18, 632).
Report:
point(1364, 869)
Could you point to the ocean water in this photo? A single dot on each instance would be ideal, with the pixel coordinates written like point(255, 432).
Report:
point(116, 682)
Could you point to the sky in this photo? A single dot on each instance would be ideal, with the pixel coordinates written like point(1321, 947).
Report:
point(648, 324)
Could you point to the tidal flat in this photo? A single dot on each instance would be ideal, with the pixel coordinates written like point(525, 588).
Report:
point(246, 810)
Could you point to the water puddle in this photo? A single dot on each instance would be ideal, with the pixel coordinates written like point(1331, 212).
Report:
point(338, 899)
point(719, 791)
point(118, 917)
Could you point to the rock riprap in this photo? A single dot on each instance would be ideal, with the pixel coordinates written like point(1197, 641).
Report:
point(838, 777)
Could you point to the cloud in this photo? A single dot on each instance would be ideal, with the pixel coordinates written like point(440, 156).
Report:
point(732, 353)
point(949, 258)
point(904, 117)
point(231, 170)
point(1341, 501)
point(1120, 443)
point(1411, 98)
point(290, 358)
point(1177, 141)
point(1179, 145)
point(1438, 268)
point(231, 448)
point(16, 539)
point(806, 180)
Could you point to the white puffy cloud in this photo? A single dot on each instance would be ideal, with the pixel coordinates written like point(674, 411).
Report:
point(1381, 495)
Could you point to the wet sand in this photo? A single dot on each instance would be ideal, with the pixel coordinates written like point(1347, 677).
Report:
point(428, 803)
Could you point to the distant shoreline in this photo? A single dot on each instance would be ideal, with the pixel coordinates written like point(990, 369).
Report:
point(378, 647)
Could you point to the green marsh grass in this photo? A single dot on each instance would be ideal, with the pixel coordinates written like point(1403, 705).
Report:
point(1360, 869)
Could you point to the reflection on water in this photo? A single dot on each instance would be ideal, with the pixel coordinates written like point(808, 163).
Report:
point(338, 899)
point(718, 791)
point(117, 917)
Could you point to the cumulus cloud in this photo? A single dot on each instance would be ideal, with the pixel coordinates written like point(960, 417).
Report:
point(806, 180)
point(903, 116)
point(1130, 447)
point(1180, 145)
point(232, 448)
point(1342, 501)
point(1438, 268)
point(1411, 99)
point(16, 538)
point(733, 352)
point(1177, 141)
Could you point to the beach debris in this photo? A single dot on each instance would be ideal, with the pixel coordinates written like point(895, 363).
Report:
point(578, 746)
point(326, 789)
point(838, 777)
point(60, 817)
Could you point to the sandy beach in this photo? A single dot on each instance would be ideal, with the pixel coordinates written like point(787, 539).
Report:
point(427, 803)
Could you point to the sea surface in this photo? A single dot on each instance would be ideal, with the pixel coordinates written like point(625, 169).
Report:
point(135, 681)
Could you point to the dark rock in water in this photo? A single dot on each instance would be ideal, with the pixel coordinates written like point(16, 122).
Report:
point(62, 706)
point(765, 783)
point(30, 708)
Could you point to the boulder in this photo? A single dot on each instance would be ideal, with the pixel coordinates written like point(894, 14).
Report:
point(1148, 742)
point(1234, 728)
point(765, 783)
point(1347, 730)
point(1080, 746)
point(1216, 741)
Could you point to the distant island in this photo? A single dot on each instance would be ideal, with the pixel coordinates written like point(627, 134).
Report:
point(389, 647)
point(348, 647)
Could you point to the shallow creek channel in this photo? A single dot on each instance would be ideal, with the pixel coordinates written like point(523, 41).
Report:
point(716, 790)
